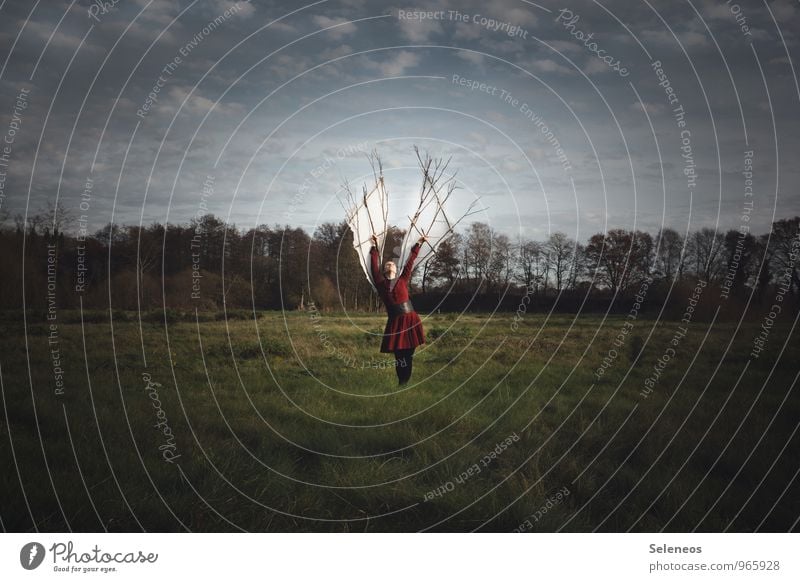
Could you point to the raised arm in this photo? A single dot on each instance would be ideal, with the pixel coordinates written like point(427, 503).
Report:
point(377, 276)
point(406, 274)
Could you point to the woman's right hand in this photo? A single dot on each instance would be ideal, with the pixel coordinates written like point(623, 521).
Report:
point(374, 240)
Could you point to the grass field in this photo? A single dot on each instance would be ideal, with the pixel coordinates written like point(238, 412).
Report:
point(290, 423)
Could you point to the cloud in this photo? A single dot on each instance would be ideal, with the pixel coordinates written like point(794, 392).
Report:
point(335, 52)
point(345, 39)
point(420, 31)
point(395, 65)
point(509, 165)
point(159, 12)
point(783, 9)
point(60, 40)
point(563, 46)
point(782, 60)
point(665, 38)
point(242, 9)
point(498, 118)
point(595, 66)
point(197, 104)
point(502, 47)
point(650, 108)
point(546, 66)
point(341, 26)
point(716, 10)
point(467, 31)
point(691, 38)
point(477, 137)
point(283, 26)
point(286, 66)
point(515, 15)
point(473, 58)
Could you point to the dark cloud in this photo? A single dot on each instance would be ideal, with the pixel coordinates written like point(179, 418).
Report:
point(262, 97)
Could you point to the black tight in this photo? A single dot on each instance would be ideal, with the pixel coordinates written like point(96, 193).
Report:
point(403, 364)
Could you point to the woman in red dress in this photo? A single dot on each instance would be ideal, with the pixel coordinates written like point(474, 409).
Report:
point(403, 332)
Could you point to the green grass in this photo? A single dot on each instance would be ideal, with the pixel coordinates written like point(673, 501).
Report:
point(276, 432)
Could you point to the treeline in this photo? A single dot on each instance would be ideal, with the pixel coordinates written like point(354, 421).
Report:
point(207, 263)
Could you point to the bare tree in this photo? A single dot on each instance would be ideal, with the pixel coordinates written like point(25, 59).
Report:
point(621, 257)
point(501, 265)
point(740, 252)
point(446, 265)
point(766, 251)
point(785, 260)
point(579, 268)
point(53, 218)
point(705, 253)
point(560, 250)
point(111, 234)
point(669, 252)
point(478, 252)
point(367, 215)
point(533, 265)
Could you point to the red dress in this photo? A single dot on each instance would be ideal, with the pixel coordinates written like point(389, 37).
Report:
point(402, 331)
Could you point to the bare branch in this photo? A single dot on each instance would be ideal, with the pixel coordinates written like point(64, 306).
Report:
point(430, 218)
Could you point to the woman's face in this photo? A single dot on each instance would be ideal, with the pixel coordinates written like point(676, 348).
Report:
point(389, 270)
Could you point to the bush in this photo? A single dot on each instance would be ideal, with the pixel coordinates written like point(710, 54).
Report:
point(436, 332)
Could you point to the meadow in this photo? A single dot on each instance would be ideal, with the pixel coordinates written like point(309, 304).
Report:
point(291, 422)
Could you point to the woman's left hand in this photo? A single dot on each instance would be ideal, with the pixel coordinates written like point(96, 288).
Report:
point(422, 239)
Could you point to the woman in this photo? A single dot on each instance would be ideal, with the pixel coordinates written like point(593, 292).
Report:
point(403, 332)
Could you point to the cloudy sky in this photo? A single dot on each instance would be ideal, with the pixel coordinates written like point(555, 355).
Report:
point(555, 115)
